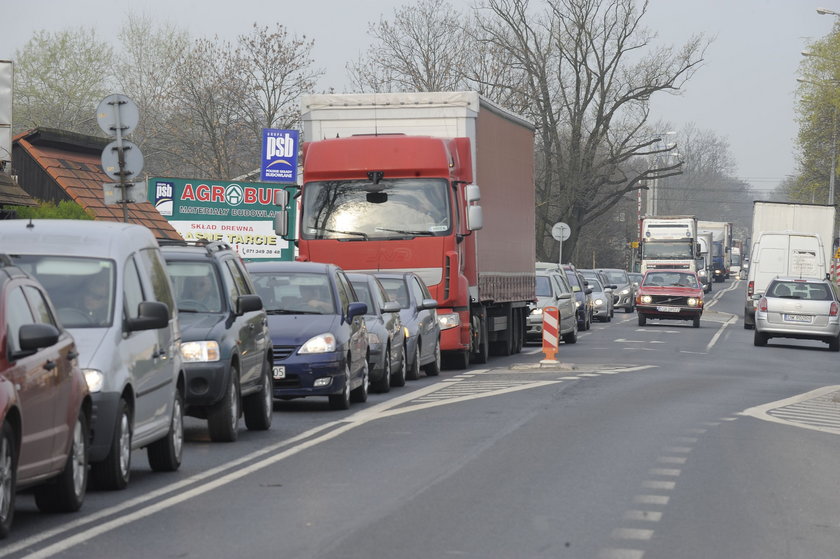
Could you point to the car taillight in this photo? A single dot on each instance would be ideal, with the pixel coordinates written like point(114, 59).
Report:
point(834, 309)
point(750, 288)
point(762, 304)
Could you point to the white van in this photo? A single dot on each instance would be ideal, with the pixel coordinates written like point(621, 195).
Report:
point(109, 284)
point(781, 253)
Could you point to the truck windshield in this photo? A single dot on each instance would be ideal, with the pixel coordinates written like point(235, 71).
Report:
point(667, 250)
point(362, 210)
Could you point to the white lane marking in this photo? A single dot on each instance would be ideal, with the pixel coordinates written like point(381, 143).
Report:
point(719, 332)
point(643, 515)
point(651, 499)
point(612, 553)
point(631, 534)
point(671, 472)
point(696, 431)
point(686, 439)
point(671, 460)
point(356, 419)
point(764, 411)
point(718, 294)
point(664, 485)
point(678, 449)
point(624, 341)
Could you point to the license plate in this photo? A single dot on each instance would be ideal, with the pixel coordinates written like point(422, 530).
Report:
point(798, 318)
point(668, 309)
point(279, 371)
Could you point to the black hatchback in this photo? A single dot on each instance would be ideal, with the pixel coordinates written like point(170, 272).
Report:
point(225, 345)
point(583, 301)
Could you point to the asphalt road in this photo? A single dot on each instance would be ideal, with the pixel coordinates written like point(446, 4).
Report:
point(659, 442)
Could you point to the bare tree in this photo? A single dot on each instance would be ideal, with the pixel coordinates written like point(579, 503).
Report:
point(589, 71)
point(146, 70)
point(59, 79)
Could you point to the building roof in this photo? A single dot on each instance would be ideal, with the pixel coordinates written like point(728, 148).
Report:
point(72, 162)
point(13, 195)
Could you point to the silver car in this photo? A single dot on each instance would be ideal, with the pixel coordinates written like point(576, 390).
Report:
point(553, 290)
point(798, 308)
point(624, 294)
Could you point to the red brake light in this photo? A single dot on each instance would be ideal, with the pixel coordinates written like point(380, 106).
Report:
point(762, 304)
point(834, 309)
point(750, 288)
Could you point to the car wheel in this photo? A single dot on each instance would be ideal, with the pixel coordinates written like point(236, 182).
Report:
point(8, 473)
point(759, 339)
point(398, 376)
point(67, 493)
point(383, 385)
point(433, 369)
point(587, 321)
point(571, 337)
point(165, 454)
point(834, 344)
point(259, 407)
point(360, 394)
point(696, 322)
point(414, 366)
point(342, 401)
point(223, 417)
point(115, 471)
point(642, 320)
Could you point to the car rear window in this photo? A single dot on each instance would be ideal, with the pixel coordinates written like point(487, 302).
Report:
point(800, 290)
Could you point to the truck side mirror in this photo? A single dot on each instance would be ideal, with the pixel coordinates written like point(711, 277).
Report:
point(475, 218)
point(473, 193)
point(281, 215)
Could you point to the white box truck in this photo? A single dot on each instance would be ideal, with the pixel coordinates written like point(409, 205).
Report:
point(788, 240)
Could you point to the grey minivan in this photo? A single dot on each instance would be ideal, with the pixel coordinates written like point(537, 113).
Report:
point(109, 285)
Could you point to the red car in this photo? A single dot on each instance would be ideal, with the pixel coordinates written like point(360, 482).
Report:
point(670, 295)
point(45, 406)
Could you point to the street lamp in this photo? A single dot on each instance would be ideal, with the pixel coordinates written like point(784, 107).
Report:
point(824, 11)
point(653, 195)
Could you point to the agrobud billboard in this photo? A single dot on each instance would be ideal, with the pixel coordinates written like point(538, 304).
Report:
point(238, 213)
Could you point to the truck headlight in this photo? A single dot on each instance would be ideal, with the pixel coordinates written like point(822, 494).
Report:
point(95, 379)
point(646, 299)
point(200, 352)
point(322, 343)
point(448, 320)
point(536, 312)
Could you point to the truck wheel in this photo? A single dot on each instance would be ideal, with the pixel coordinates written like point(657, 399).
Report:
point(483, 352)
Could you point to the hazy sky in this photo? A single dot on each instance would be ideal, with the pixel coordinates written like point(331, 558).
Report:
point(745, 92)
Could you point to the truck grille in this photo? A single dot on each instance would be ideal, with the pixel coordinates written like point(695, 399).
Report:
point(282, 351)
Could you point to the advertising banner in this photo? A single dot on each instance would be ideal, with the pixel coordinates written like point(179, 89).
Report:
point(279, 156)
point(240, 214)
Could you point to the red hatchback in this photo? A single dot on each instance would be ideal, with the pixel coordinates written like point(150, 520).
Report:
point(44, 402)
point(669, 295)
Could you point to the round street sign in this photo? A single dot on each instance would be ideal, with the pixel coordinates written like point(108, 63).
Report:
point(117, 107)
point(561, 231)
point(132, 156)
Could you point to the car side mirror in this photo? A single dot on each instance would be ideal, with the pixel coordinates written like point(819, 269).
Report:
point(33, 337)
point(588, 291)
point(356, 309)
point(612, 287)
point(427, 304)
point(390, 306)
point(248, 303)
point(152, 315)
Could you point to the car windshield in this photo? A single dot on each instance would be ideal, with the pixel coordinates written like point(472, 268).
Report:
point(670, 279)
point(595, 285)
point(798, 289)
point(397, 290)
point(295, 292)
point(82, 289)
point(362, 210)
point(543, 286)
point(196, 286)
point(617, 277)
point(665, 250)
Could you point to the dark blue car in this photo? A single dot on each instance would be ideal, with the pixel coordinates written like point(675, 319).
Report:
point(318, 333)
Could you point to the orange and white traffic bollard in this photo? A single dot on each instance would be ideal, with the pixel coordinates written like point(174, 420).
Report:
point(551, 325)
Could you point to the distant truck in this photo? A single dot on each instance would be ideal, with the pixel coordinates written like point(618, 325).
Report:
point(788, 239)
point(669, 242)
point(390, 183)
point(704, 261)
point(721, 246)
